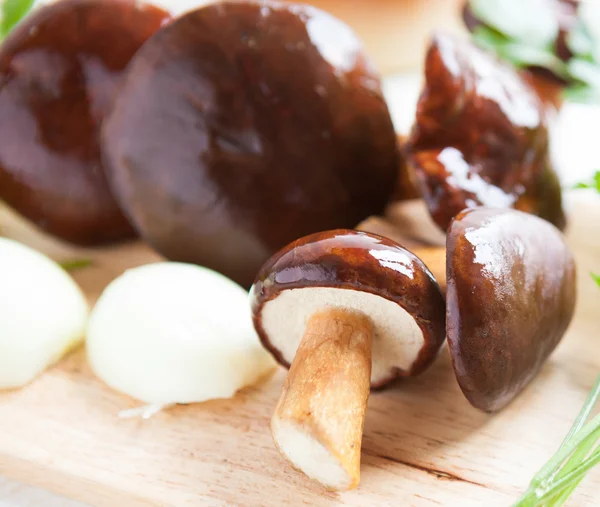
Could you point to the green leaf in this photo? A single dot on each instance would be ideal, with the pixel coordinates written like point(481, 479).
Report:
point(74, 264)
point(524, 33)
point(488, 38)
point(528, 21)
point(582, 94)
point(12, 11)
point(596, 278)
point(518, 53)
point(526, 56)
point(589, 16)
point(593, 184)
point(580, 41)
point(585, 71)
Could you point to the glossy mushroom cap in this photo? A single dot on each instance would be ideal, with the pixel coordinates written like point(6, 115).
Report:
point(480, 137)
point(59, 69)
point(510, 298)
point(244, 125)
point(357, 271)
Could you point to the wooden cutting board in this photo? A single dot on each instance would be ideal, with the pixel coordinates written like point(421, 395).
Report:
point(424, 445)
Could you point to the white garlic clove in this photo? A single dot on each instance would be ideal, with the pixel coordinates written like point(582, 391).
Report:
point(43, 313)
point(175, 333)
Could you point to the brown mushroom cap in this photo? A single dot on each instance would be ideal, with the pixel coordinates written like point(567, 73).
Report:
point(244, 125)
point(356, 271)
point(59, 69)
point(510, 298)
point(480, 137)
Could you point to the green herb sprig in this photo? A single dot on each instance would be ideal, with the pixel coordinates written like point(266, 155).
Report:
point(594, 183)
point(524, 33)
point(75, 264)
point(553, 485)
point(579, 452)
point(11, 12)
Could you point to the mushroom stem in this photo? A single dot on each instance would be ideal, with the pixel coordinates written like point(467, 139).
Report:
point(318, 422)
point(435, 260)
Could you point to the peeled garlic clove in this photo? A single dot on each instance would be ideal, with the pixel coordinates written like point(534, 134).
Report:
point(175, 333)
point(43, 313)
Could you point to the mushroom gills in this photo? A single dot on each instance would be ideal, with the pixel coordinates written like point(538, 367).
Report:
point(397, 338)
point(318, 422)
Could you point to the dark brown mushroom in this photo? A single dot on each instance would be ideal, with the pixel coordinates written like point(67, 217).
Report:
point(510, 298)
point(347, 310)
point(59, 69)
point(244, 125)
point(407, 187)
point(480, 137)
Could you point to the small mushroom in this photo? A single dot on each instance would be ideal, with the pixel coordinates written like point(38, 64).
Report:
point(59, 69)
point(481, 137)
point(510, 285)
point(348, 311)
point(244, 125)
point(510, 298)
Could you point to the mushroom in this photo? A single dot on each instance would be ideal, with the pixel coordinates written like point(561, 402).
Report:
point(348, 311)
point(480, 137)
point(244, 125)
point(510, 298)
point(510, 286)
point(59, 69)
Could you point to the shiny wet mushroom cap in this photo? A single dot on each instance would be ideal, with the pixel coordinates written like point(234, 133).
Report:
point(59, 69)
point(347, 310)
point(510, 298)
point(244, 125)
point(481, 137)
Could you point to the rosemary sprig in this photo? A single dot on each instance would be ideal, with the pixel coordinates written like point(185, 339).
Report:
point(554, 484)
point(557, 479)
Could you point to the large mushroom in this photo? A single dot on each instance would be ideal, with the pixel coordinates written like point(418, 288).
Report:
point(348, 311)
point(510, 298)
point(59, 69)
point(480, 137)
point(244, 125)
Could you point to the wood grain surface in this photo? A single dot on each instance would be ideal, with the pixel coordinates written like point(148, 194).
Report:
point(424, 445)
